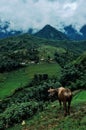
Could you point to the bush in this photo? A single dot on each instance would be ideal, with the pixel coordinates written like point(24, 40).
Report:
point(2, 126)
point(17, 113)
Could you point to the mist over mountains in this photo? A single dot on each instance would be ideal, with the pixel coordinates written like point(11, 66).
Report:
point(73, 34)
point(48, 32)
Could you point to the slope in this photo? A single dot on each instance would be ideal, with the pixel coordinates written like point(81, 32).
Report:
point(50, 32)
point(52, 118)
point(74, 73)
point(27, 41)
point(22, 77)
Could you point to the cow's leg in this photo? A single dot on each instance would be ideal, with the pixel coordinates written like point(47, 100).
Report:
point(69, 102)
point(65, 108)
point(60, 104)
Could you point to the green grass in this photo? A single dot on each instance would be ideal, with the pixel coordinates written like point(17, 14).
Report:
point(79, 97)
point(15, 79)
point(46, 50)
point(52, 118)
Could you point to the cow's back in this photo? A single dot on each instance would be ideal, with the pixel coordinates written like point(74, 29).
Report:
point(64, 94)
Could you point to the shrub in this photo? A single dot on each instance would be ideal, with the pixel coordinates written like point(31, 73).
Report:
point(18, 112)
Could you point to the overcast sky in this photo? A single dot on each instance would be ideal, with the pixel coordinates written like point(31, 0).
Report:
point(24, 14)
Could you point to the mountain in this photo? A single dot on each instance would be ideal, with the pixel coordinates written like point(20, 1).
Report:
point(4, 34)
point(49, 32)
point(5, 30)
point(83, 31)
point(72, 33)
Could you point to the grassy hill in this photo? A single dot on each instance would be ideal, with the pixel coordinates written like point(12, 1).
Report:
point(12, 80)
point(52, 118)
point(47, 50)
point(27, 41)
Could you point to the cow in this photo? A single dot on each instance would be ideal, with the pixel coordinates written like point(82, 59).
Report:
point(64, 95)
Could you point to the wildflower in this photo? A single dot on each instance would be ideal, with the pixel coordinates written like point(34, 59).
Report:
point(23, 123)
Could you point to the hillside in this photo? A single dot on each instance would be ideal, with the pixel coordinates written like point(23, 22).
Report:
point(24, 92)
point(51, 118)
point(74, 73)
point(27, 41)
point(10, 81)
point(18, 51)
point(49, 32)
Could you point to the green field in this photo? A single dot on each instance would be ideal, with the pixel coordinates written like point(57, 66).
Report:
point(52, 118)
point(19, 78)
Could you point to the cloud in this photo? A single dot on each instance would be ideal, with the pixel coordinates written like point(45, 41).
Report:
point(25, 14)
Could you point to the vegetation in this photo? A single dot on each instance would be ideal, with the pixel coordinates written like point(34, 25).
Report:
point(28, 69)
point(18, 51)
point(16, 79)
point(49, 32)
point(51, 118)
point(74, 74)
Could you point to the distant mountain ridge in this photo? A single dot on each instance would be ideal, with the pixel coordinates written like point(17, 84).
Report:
point(6, 32)
point(47, 32)
point(72, 33)
point(51, 33)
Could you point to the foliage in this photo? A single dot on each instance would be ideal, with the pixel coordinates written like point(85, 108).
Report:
point(25, 103)
point(64, 58)
point(19, 78)
point(18, 112)
point(8, 64)
point(37, 91)
point(74, 74)
point(21, 50)
point(51, 118)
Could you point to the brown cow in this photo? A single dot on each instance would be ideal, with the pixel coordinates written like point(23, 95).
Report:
point(64, 95)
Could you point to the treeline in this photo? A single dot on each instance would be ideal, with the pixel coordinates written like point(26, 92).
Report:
point(14, 60)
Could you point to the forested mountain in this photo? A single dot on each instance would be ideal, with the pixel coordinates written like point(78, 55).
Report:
point(50, 32)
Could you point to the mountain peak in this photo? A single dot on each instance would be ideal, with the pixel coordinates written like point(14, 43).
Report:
point(50, 32)
point(47, 26)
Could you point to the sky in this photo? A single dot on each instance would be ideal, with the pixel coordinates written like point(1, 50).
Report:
point(25, 14)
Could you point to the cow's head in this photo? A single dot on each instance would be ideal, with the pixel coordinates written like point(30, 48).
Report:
point(52, 92)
